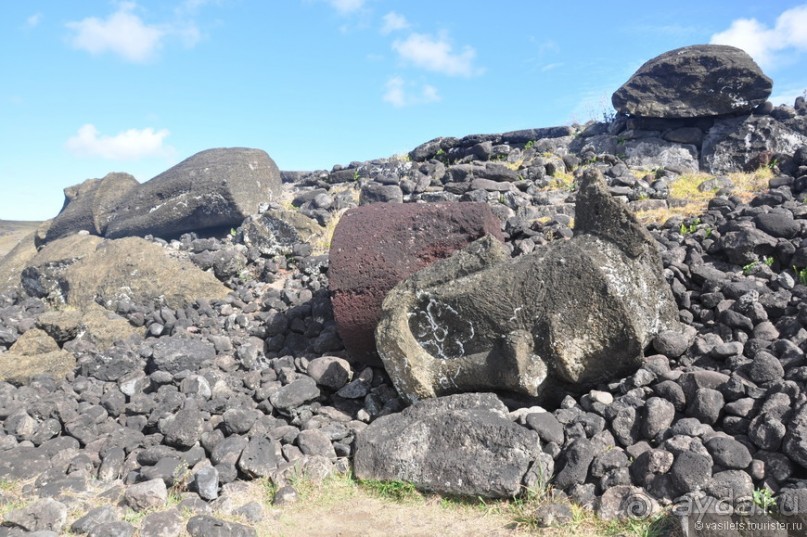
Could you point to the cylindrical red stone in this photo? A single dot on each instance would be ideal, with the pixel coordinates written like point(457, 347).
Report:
point(376, 246)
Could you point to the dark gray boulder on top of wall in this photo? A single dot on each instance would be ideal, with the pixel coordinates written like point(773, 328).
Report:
point(216, 188)
point(89, 206)
point(700, 80)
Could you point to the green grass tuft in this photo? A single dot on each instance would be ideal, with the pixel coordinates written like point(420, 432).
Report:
point(397, 491)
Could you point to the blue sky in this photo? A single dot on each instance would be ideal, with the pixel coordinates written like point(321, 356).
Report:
point(97, 86)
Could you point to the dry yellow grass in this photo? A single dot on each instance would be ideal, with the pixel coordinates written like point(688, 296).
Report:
point(515, 165)
point(560, 181)
point(686, 200)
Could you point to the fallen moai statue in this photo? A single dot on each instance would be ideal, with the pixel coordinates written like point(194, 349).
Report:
point(213, 189)
point(574, 314)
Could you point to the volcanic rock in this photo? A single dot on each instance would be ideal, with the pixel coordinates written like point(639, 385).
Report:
point(733, 143)
point(213, 189)
point(377, 245)
point(90, 205)
point(478, 321)
point(443, 445)
point(35, 353)
point(83, 270)
point(700, 80)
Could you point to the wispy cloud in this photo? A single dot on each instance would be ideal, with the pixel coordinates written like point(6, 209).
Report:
point(437, 55)
point(546, 46)
point(393, 22)
point(763, 43)
point(127, 145)
point(34, 20)
point(125, 34)
point(551, 66)
point(191, 6)
point(399, 94)
point(346, 6)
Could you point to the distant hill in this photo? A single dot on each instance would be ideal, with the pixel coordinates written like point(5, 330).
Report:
point(11, 232)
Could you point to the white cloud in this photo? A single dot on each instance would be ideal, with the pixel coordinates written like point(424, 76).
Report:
point(394, 93)
point(437, 55)
point(127, 145)
point(346, 6)
point(194, 5)
point(429, 94)
point(551, 66)
point(122, 33)
point(398, 93)
point(188, 33)
point(393, 22)
point(33, 21)
point(763, 43)
point(547, 46)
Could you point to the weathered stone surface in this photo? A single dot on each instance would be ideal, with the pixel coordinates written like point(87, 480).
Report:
point(329, 371)
point(206, 483)
point(795, 441)
point(700, 80)
point(444, 445)
point(376, 246)
point(276, 231)
point(96, 516)
point(164, 524)
point(577, 459)
point(174, 354)
point(183, 429)
point(478, 321)
point(259, 457)
point(295, 394)
point(730, 484)
point(650, 153)
point(315, 442)
point(378, 193)
point(89, 205)
point(23, 463)
point(113, 529)
point(547, 426)
point(35, 353)
point(102, 328)
point(691, 471)
point(216, 188)
point(732, 143)
point(553, 514)
point(42, 515)
point(44, 275)
point(150, 494)
point(624, 501)
point(61, 325)
point(84, 270)
point(95, 325)
point(208, 526)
